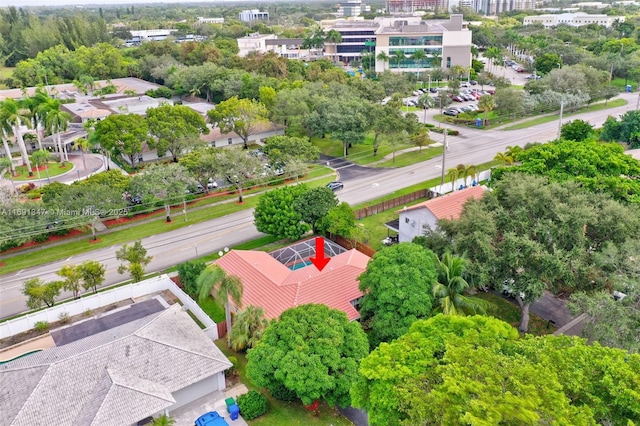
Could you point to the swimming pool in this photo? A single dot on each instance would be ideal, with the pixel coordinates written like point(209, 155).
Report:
point(300, 265)
point(20, 356)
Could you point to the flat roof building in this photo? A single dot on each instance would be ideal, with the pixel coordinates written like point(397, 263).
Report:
point(577, 19)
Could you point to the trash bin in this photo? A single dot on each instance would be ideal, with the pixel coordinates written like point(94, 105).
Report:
point(628, 88)
point(234, 411)
point(229, 402)
point(478, 122)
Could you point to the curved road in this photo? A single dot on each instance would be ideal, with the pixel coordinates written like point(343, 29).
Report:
point(168, 249)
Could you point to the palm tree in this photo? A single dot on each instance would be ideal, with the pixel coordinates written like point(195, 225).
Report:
point(419, 56)
point(382, 56)
point(35, 104)
point(83, 145)
point(425, 102)
point(470, 170)
point(248, 328)
point(398, 57)
point(57, 122)
point(492, 54)
point(453, 174)
point(450, 288)
point(16, 116)
point(436, 59)
point(5, 131)
point(504, 158)
point(214, 281)
point(486, 104)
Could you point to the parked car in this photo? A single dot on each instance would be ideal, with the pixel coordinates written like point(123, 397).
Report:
point(473, 82)
point(451, 112)
point(212, 184)
point(334, 186)
point(458, 99)
point(433, 90)
point(520, 70)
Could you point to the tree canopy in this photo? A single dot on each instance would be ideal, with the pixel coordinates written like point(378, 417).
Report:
point(176, 128)
point(601, 167)
point(313, 351)
point(275, 213)
point(476, 370)
point(397, 287)
point(527, 236)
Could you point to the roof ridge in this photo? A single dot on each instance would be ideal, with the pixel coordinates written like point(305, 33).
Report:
point(103, 400)
point(117, 382)
point(31, 395)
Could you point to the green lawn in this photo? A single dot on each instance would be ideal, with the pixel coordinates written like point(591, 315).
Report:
point(549, 118)
point(55, 169)
point(508, 311)
point(412, 157)
point(282, 413)
point(213, 308)
point(374, 225)
point(361, 153)
point(50, 254)
point(5, 72)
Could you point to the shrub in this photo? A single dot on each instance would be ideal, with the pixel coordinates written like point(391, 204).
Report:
point(231, 372)
point(64, 317)
point(283, 394)
point(189, 273)
point(41, 326)
point(88, 313)
point(34, 193)
point(252, 404)
point(40, 238)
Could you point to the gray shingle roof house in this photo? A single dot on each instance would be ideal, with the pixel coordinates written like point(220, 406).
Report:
point(117, 377)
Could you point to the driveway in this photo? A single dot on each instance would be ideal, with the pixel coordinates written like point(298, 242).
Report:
point(346, 169)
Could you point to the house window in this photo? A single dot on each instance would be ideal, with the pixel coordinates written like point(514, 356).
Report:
point(448, 61)
point(406, 220)
point(230, 141)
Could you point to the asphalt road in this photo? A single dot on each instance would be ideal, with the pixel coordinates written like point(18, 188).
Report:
point(471, 147)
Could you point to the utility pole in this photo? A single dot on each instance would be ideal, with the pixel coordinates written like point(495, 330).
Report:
point(560, 122)
point(444, 155)
point(638, 103)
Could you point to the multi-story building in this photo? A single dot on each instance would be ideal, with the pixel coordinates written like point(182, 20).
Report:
point(352, 8)
point(445, 44)
point(358, 35)
point(263, 43)
point(487, 7)
point(410, 6)
point(573, 19)
point(253, 15)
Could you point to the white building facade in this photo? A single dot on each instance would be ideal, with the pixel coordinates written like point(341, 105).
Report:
point(352, 8)
point(445, 44)
point(253, 15)
point(578, 19)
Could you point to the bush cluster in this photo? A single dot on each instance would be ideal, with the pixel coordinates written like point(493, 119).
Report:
point(252, 404)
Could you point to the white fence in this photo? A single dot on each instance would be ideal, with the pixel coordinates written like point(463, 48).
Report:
point(94, 301)
point(447, 187)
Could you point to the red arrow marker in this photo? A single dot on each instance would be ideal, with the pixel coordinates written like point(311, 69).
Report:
point(320, 261)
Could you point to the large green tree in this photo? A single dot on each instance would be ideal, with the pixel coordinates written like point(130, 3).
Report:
point(245, 117)
point(476, 370)
point(202, 163)
point(237, 166)
point(123, 134)
point(601, 167)
point(576, 130)
point(312, 351)
point(176, 129)
point(450, 287)
point(527, 236)
point(626, 130)
point(282, 149)
point(397, 287)
point(166, 183)
point(276, 214)
point(92, 273)
point(314, 204)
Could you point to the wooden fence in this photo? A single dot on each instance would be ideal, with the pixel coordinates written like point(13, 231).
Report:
point(394, 202)
point(362, 248)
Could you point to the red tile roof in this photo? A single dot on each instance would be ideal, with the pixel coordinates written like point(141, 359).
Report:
point(449, 206)
point(274, 287)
